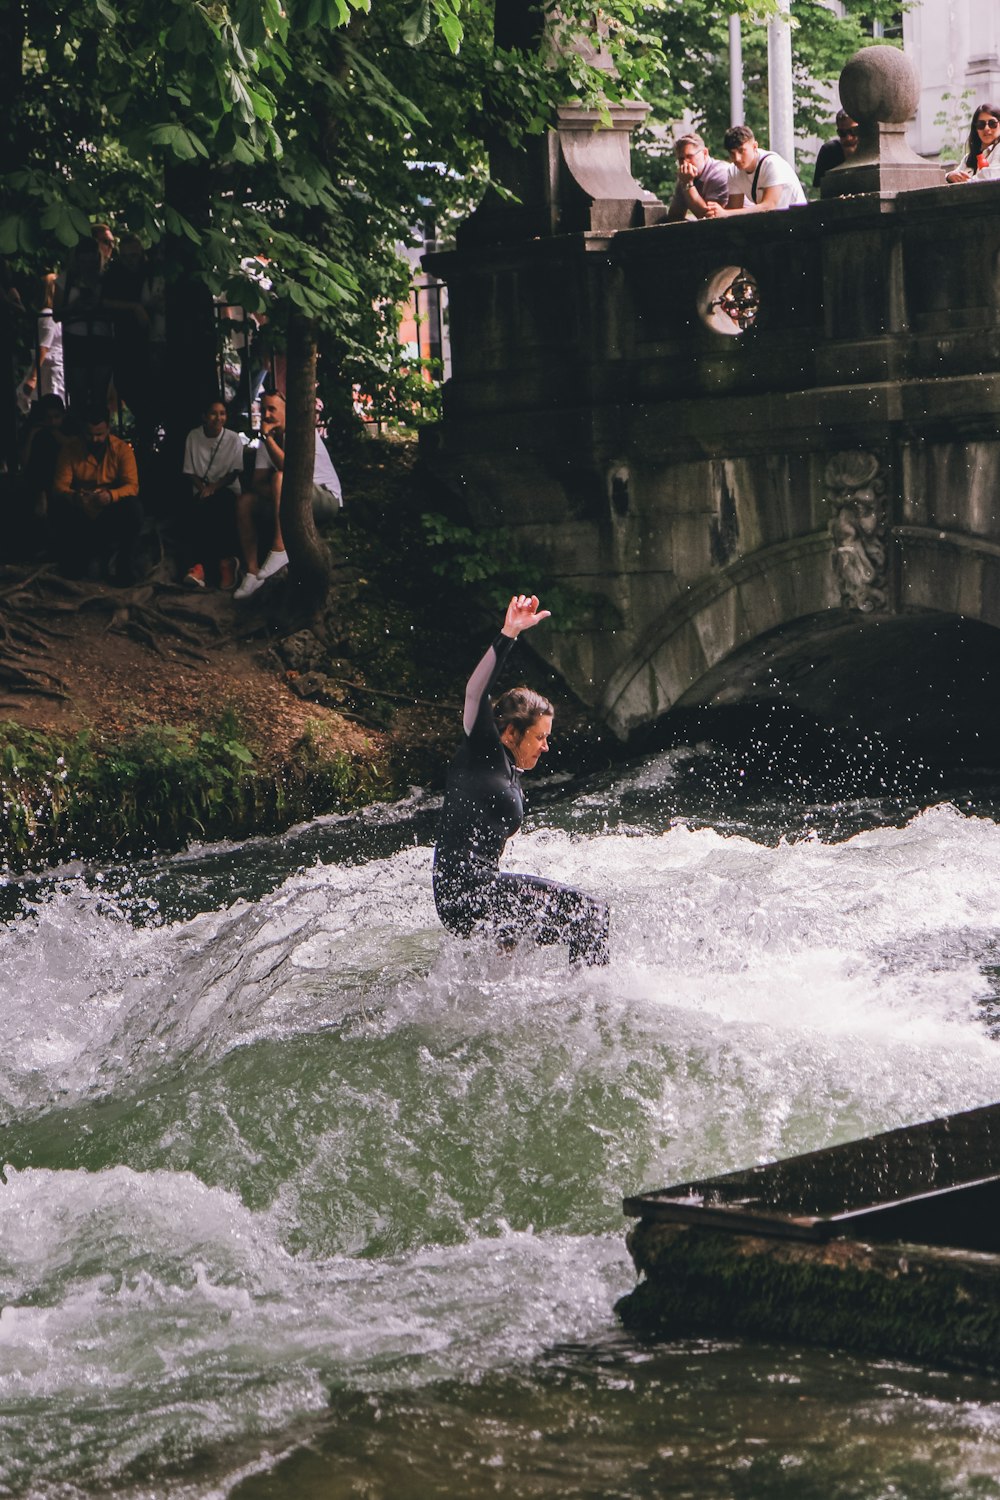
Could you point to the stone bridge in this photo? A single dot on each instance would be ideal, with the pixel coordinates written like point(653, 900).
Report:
point(808, 508)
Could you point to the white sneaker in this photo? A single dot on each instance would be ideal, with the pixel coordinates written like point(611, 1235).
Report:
point(273, 563)
point(250, 585)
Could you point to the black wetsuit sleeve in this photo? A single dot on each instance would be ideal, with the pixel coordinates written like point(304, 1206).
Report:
point(483, 804)
point(479, 723)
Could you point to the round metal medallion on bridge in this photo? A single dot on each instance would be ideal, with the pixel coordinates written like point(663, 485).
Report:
point(729, 301)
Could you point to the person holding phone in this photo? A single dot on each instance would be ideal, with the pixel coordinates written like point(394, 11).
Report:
point(262, 503)
point(982, 160)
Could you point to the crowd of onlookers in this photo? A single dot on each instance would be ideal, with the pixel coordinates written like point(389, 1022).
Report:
point(75, 490)
point(79, 492)
point(754, 180)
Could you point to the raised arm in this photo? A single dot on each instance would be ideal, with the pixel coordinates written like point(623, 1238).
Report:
point(522, 614)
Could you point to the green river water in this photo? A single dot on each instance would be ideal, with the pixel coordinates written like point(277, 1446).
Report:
point(305, 1199)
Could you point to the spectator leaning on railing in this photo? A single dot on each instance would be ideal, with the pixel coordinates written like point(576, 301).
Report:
point(759, 181)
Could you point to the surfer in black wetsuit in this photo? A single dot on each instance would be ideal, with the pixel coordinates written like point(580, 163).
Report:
point(484, 805)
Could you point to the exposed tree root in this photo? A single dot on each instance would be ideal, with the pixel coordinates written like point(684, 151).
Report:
point(148, 612)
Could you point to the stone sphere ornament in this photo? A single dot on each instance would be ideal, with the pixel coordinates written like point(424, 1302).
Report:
point(880, 83)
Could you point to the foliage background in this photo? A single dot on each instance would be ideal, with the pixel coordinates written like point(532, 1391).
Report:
point(325, 134)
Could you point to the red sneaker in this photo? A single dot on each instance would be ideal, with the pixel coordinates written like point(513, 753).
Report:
point(194, 578)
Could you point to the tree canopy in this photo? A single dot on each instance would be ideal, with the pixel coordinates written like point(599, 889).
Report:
point(319, 133)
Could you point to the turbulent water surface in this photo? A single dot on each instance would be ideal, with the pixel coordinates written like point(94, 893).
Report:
point(305, 1198)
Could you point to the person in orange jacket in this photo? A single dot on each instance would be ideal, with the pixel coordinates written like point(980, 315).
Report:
point(95, 514)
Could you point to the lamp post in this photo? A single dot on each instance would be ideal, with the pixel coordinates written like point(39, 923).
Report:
point(780, 104)
point(736, 105)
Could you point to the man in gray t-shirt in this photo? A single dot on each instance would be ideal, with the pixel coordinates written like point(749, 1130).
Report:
point(701, 180)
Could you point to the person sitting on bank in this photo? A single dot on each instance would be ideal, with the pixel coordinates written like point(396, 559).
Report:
point(213, 468)
point(94, 510)
point(700, 180)
point(263, 502)
point(982, 160)
point(759, 181)
point(43, 438)
point(834, 153)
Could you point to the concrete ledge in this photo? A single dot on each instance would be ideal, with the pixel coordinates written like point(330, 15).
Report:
point(941, 1307)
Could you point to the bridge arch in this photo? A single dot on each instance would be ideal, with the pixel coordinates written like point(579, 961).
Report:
point(730, 503)
point(926, 670)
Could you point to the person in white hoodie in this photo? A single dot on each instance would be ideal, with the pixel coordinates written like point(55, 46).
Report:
point(44, 376)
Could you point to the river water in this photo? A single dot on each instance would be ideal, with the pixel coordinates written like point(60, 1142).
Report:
point(306, 1199)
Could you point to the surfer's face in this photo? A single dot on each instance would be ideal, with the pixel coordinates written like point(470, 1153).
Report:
point(531, 744)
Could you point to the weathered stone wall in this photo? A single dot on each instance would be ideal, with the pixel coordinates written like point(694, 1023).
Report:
point(831, 468)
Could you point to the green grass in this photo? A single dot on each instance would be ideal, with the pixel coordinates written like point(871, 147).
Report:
point(160, 788)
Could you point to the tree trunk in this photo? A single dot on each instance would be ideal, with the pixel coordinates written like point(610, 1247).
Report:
point(309, 567)
point(13, 141)
point(191, 376)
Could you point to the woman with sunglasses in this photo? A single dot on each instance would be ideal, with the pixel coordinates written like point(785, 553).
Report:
point(983, 160)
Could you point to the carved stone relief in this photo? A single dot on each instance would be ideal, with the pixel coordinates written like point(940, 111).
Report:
point(724, 531)
point(855, 487)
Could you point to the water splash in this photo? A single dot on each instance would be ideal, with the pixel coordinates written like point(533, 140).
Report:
point(309, 1144)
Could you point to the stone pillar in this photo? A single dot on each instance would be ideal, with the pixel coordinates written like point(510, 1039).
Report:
point(577, 177)
point(879, 88)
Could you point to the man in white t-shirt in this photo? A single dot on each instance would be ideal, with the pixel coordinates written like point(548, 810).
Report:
point(266, 494)
point(758, 180)
point(213, 467)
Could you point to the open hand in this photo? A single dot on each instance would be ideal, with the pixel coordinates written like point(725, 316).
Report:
point(522, 613)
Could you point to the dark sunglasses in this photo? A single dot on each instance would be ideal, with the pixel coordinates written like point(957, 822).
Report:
point(846, 134)
point(989, 124)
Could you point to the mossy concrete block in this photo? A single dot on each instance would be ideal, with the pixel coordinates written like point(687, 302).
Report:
point(937, 1306)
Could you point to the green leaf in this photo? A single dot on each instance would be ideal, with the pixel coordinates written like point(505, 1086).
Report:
point(177, 224)
point(242, 102)
point(452, 30)
point(449, 24)
point(174, 138)
point(263, 104)
point(416, 26)
point(64, 231)
point(181, 36)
